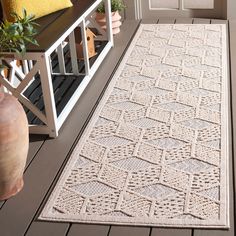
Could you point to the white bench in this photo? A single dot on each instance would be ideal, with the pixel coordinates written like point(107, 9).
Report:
point(50, 79)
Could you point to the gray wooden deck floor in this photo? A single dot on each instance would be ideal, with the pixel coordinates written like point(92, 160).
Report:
point(47, 157)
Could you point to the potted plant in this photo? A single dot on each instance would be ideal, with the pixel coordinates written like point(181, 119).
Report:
point(14, 136)
point(116, 7)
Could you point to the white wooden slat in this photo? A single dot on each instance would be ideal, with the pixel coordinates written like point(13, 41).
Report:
point(73, 53)
point(61, 60)
point(28, 78)
point(85, 48)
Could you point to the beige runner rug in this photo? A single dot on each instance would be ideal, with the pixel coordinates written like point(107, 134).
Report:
point(155, 151)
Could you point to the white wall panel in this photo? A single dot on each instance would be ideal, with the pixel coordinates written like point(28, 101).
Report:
point(167, 4)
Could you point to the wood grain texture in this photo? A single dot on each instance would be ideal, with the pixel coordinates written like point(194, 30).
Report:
point(35, 143)
point(128, 231)
point(48, 229)
point(166, 20)
point(88, 230)
point(201, 21)
point(149, 21)
point(170, 232)
point(216, 21)
point(184, 21)
point(42, 172)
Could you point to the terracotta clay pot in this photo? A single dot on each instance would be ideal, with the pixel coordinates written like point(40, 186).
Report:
point(14, 144)
point(116, 21)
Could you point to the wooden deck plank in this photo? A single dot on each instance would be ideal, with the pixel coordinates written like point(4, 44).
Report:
point(217, 21)
point(184, 20)
point(36, 142)
point(43, 170)
point(166, 20)
point(212, 232)
point(201, 21)
point(88, 230)
point(231, 231)
point(47, 229)
point(170, 232)
point(127, 230)
point(149, 21)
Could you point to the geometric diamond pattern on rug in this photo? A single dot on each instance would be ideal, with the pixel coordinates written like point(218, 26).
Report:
point(178, 154)
point(191, 165)
point(167, 143)
point(102, 121)
point(112, 141)
point(213, 144)
point(68, 201)
point(103, 203)
point(93, 151)
point(143, 178)
point(155, 151)
point(175, 179)
point(85, 174)
point(212, 193)
point(127, 106)
point(131, 164)
point(145, 123)
point(113, 176)
point(155, 191)
point(155, 91)
point(135, 205)
point(196, 123)
point(82, 162)
point(173, 106)
point(206, 179)
point(170, 206)
point(203, 207)
point(91, 188)
point(200, 92)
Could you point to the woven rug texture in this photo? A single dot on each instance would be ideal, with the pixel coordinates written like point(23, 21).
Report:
point(155, 151)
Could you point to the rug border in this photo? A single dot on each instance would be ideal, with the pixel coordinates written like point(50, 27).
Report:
point(223, 223)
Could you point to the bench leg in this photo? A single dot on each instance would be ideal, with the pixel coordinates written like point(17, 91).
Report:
point(48, 95)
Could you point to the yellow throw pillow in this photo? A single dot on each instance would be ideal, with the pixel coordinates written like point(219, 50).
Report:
point(35, 7)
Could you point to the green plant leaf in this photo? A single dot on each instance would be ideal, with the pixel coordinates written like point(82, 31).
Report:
point(14, 36)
